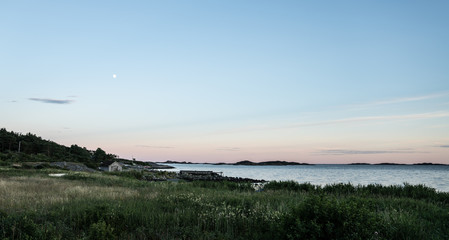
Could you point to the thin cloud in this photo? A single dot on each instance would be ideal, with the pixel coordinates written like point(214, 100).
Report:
point(374, 118)
point(159, 147)
point(444, 146)
point(231, 149)
point(51, 101)
point(408, 99)
point(362, 152)
point(380, 118)
point(402, 100)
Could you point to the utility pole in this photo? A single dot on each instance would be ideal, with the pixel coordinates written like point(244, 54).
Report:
point(19, 145)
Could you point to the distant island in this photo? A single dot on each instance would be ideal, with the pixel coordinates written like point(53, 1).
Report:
point(269, 163)
point(285, 163)
point(386, 163)
point(245, 163)
point(402, 164)
point(438, 164)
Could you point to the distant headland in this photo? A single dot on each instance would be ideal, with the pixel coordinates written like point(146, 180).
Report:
point(285, 163)
point(403, 164)
point(269, 163)
point(245, 163)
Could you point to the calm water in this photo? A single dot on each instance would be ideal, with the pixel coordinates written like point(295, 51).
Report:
point(433, 176)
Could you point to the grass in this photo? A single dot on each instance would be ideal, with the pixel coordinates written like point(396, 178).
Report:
point(34, 205)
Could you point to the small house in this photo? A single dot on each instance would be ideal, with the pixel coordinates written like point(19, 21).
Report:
point(111, 166)
point(115, 167)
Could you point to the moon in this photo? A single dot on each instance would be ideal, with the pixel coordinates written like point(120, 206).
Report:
point(114, 75)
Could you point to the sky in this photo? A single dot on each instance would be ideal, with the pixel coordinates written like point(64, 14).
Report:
point(225, 81)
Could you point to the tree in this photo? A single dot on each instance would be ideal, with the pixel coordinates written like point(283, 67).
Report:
point(100, 155)
point(80, 154)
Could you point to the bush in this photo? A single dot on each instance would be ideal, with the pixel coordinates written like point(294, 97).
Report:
point(101, 231)
point(320, 217)
point(23, 227)
point(78, 176)
point(290, 186)
point(128, 174)
point(91, 165)
point(224, 185)
point(341, 188)
point(4, 163)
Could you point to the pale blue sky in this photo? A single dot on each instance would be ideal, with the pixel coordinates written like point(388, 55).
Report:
point(210, 81)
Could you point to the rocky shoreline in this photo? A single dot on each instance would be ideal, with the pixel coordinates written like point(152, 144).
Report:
point(216, 177)
point(190, 176)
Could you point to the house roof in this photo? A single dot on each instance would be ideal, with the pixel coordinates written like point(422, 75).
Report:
point(108, 163)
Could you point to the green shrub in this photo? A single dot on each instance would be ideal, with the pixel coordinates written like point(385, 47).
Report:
point(101, 231)
point(320, 217)
point(290, 186)
point(223, 185)
point(92, 165)
point(128, 174)
point(340, 188)
point(79, 176)
point(23, 227)
point(4, 163)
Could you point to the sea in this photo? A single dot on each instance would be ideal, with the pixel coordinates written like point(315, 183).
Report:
point(434, 176)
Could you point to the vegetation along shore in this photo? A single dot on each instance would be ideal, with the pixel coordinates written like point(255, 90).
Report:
point(119, 205)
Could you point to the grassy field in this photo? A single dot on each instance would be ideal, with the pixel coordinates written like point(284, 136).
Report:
point(34, 205)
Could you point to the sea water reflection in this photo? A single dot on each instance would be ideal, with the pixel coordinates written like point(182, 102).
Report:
point(435, 176)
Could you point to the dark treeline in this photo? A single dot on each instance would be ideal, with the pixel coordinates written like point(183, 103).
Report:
point(17, 147)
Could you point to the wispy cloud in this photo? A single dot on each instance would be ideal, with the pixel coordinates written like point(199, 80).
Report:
point(380, 118)
point(361, 152)
point(401, 100)
point(231, 149)
point(409, 99)
point(444, 146)
point(160, 147)
point(51, 101)
point(373, 118)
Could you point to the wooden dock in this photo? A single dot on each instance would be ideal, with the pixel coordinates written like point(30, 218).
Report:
point(199, 173)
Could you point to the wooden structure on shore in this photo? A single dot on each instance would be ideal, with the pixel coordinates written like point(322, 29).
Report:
point(199, 173)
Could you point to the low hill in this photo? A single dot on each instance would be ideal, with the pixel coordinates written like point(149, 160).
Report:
point(17, 148)
point(269, 163)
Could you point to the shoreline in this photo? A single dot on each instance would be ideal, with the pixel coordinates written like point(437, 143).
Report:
point(284, 163)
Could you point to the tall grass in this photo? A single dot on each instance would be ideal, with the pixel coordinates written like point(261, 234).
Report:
point(98, 206)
